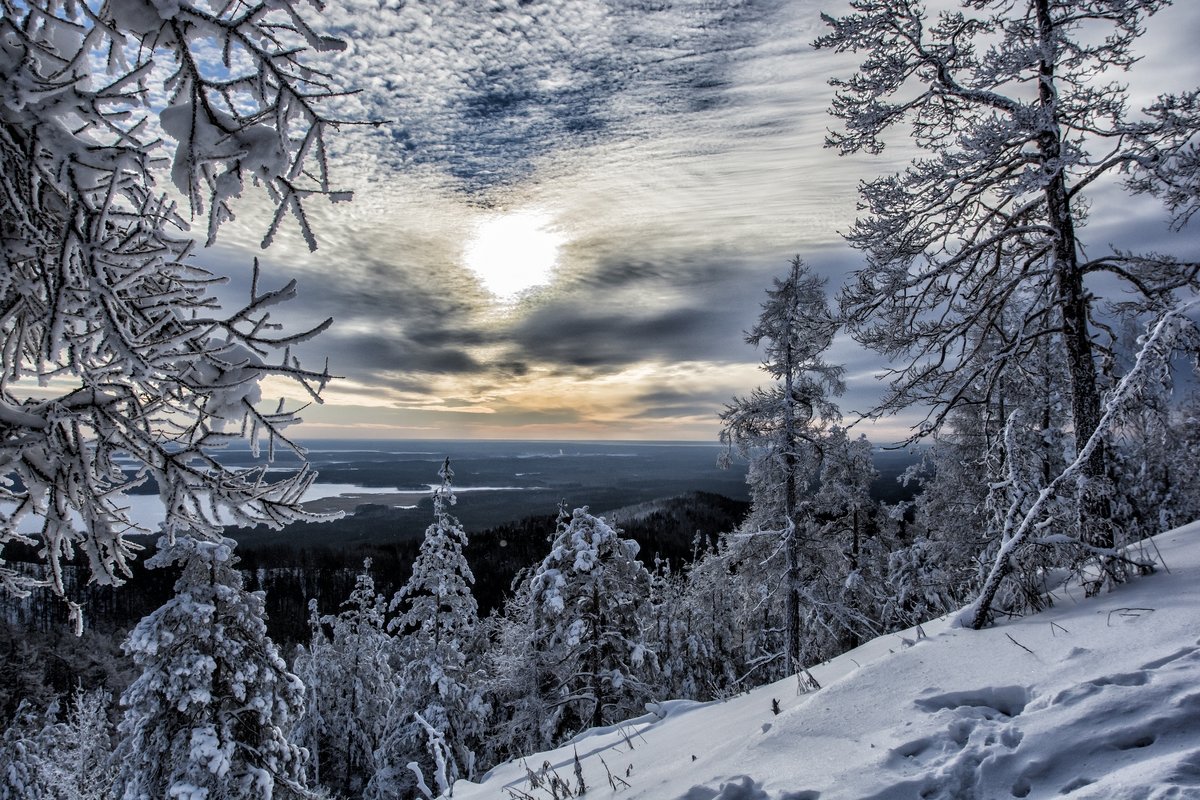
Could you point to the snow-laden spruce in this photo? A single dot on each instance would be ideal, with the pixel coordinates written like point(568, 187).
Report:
point(351, 685)
point(436, 723)
point(210, 714)
point(587, 596)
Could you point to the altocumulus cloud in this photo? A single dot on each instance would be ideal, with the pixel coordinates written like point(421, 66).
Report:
point(483, 90)
point(676, 146)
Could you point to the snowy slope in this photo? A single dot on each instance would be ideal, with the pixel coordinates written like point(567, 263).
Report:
point(1096, 698)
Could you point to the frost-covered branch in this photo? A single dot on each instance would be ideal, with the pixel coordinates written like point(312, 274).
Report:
point(117, 368)
point(1156, 350)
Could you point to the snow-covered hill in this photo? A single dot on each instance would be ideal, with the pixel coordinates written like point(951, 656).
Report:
point(1096, 698)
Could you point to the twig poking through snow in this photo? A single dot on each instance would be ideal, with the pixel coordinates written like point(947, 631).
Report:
point(1126, 612)
point(1158, 552)
point(614, 780)
point(580, 787)
point(1018, 644)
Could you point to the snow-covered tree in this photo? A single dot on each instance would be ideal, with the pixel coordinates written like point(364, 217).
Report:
point(1154, 451)
point(950, 527)
point(987, 455)
point(310, 667)
point(441, 713)
point(726, 653)
point(517, 678)
point(1178, 481)
point(666, 631)
point(82, 748)
point(694, 631)
point(112, 347)
point(848, 564)
point(781, 428)
point(975, 253)
point(210, 714)
point(844, 499)
point(24, 756)
point(921, 584)
point(45, 758)
point(1027, 521)
point(1026, 446)
point(588, 593)
point(350, 687)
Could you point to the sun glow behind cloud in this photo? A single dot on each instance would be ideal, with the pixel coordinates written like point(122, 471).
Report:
point(572, 211)
point(514, 252)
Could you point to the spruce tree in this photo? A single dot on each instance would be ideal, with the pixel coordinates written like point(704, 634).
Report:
point(441, 714)
point(589, 593)
point(781, 429)
point(351, 686)
point(210, 714)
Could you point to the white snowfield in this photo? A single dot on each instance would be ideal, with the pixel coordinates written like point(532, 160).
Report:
point(1095, 698)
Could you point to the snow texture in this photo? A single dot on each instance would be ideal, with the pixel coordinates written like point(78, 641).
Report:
point(1094, 698)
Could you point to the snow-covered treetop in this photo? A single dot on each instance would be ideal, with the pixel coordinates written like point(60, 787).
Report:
point(437, 599)
point(795, 328)
point(787, 418)
point(586, 551)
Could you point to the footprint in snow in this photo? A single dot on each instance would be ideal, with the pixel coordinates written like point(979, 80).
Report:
point(743, 787)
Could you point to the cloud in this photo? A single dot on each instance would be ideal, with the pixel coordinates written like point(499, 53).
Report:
point(482, 91)
point(578, 336)
point(676, 147)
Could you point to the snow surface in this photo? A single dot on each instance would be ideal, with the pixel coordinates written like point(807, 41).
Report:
point(1095, 698)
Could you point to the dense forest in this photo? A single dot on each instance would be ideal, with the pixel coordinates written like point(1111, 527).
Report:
point(1059, 434)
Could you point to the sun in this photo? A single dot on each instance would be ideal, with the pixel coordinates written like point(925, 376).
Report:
point(513, 252)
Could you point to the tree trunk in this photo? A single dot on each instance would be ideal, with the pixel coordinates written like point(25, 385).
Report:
point(791, 662)
point(1072, 296)
point(597, 685)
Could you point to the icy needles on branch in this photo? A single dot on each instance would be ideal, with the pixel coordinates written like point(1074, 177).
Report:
point(137, 374)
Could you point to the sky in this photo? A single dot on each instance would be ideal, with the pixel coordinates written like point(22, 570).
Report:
point(646, 167)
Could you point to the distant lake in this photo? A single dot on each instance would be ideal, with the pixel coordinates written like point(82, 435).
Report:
point(501, 481)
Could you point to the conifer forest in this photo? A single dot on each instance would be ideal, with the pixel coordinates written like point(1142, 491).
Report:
point(1045, 376)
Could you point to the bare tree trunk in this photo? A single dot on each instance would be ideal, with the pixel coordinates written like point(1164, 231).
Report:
point(1072, 298)
point(791, 662)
